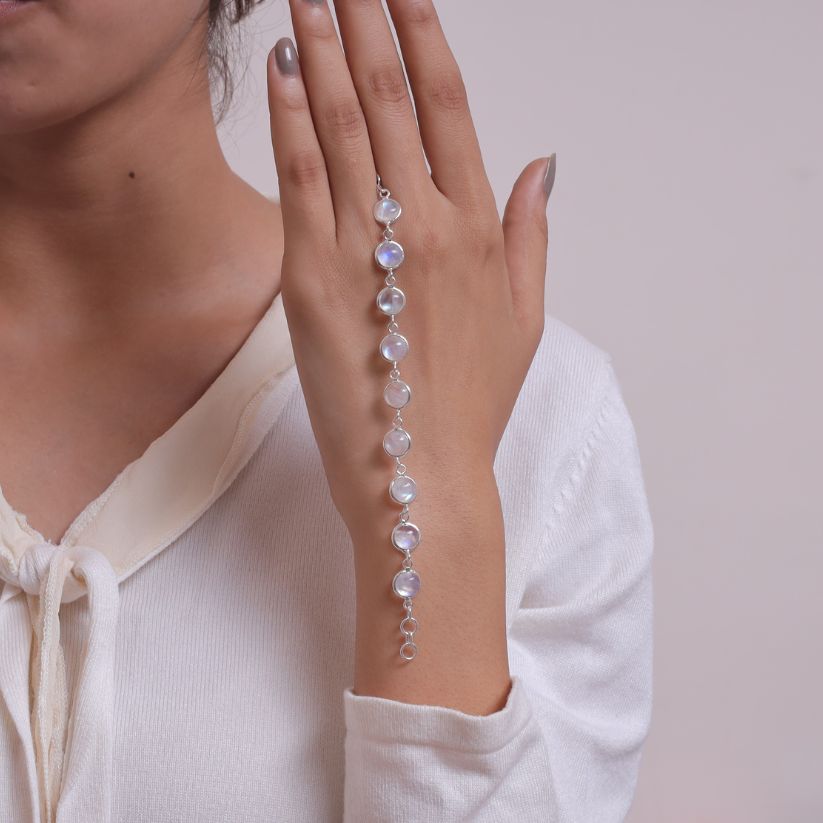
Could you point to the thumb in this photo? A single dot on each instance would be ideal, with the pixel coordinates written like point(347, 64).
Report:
point(526, 235)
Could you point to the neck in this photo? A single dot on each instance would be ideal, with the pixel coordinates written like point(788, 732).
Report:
point(93, 211)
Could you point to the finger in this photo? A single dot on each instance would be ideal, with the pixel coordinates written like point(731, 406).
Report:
point(338, 118)
point(381, 85)
point(305, 197)
point(525, 232)
point(446, 126)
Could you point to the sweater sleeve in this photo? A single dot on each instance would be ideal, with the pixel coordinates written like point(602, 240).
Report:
point(565, 748)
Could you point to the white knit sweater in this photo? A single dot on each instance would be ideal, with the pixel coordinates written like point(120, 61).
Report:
point(186, 653)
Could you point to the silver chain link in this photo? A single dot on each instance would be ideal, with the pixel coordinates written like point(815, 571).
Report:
point(409, 624)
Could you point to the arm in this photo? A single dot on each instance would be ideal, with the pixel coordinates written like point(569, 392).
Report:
point(474, 319)
point(566, 746)
point(452, 732)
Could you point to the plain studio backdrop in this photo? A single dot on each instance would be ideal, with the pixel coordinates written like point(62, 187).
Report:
point(686, 240)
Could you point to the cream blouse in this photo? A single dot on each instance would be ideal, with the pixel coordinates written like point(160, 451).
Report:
point(186, 651)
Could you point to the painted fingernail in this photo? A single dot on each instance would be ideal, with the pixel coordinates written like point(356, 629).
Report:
point(285, 55)
point(548, 177)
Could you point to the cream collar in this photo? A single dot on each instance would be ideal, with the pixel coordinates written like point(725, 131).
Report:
point(164, 491)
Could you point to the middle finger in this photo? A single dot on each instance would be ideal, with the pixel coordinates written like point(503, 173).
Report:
point(381, 85)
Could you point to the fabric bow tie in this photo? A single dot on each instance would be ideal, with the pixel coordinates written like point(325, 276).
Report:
point(73, 750)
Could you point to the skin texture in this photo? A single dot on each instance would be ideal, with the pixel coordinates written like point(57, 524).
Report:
point(111, 327)
point(474, 319)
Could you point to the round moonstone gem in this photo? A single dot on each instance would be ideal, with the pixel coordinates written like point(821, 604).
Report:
point(397, 394)
point(405, 537)
point(389, 254)
point(386, 211)
point(403, 489)
point(391, 300)
point(406, 584)
point(397, 442)
point(394, 347)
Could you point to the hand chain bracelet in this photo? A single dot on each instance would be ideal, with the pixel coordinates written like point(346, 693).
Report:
point(394, 347)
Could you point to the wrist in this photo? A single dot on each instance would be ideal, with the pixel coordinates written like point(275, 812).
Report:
point(462, 659)
point(448, 492)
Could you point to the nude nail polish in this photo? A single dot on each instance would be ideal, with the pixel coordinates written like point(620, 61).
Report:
point(285, 55)
point(548, 177)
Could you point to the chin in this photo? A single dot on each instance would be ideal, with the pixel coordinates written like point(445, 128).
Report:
point(35, 92)
point(27, 108)
point(40, 94)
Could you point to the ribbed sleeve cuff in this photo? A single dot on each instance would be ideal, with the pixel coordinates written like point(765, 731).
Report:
point(379, 719)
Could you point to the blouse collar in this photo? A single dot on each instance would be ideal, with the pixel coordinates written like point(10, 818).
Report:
point(165, 490)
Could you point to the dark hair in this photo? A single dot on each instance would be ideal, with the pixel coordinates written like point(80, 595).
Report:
point(223, 14)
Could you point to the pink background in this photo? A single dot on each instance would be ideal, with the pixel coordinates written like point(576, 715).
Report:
point(686, 240)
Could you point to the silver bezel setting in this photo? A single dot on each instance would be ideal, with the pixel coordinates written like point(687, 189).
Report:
point(408, 625)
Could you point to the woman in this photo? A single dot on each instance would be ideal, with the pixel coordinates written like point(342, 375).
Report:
point(211, 371)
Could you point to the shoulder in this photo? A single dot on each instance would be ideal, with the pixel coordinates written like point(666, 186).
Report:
point(567, 368)
point(569, 388)
point(569, 475)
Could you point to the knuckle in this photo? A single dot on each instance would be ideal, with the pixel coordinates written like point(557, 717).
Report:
point(388, 84)
point(484, 231)
point(430, 240)
point(419, 11)
point(294, 102)
point(489, 226)
point(491, 244)
point(448, 93)
point(542, 228)
point(306, 169)
point(321, 29)
point(345, 119)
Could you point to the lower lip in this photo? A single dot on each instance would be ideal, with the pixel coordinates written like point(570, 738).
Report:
point(12, 8)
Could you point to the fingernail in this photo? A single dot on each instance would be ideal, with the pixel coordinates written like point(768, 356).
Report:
point(548, 177)
point(285, 55)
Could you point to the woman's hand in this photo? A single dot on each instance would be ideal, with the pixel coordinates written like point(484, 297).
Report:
point(473, 319)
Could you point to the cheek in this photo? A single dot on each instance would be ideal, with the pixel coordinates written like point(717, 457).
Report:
point(68, 56)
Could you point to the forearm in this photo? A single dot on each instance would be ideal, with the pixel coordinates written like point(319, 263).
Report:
point(327, 128)
point(463, 660)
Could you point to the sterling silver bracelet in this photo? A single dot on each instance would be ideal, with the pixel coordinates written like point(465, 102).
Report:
point(394, 347)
